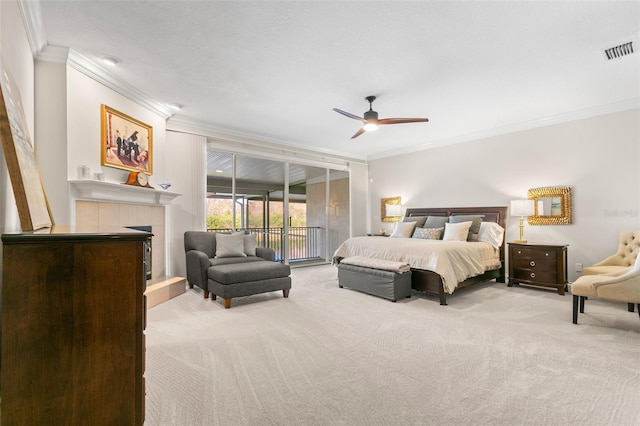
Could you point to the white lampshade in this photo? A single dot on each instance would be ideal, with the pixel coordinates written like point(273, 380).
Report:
point(393, 210)
point(522, 208)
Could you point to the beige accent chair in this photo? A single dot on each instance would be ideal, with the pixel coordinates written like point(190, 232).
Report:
point(619, 263)
point(622, 288)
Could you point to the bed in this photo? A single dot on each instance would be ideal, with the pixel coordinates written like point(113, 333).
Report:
point(444, 277)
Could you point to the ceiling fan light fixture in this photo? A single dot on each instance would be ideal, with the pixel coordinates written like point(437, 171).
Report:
point(371, 121)
point(370, 126)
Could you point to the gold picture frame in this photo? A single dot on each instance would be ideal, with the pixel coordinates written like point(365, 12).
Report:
point(384, 207)
point(126, 143)
point(552, 206)
point(33, 207)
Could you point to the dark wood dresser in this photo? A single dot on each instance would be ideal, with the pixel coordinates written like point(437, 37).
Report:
point(542, 265)
point(73, 319)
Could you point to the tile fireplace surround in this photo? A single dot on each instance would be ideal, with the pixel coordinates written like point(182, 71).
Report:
point(108, 204)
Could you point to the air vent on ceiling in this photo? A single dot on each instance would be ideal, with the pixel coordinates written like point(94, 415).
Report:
point(618, 51)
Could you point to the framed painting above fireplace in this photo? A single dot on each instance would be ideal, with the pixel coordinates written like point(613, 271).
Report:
point(126, 143)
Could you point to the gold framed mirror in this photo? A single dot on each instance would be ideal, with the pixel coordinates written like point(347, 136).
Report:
point(391, 209)
point(552, 206)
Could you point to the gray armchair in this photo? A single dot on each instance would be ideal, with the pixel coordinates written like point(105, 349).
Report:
point(232, 276)
point(200, 248)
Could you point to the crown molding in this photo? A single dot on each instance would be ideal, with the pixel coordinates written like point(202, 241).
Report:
point(91, 69)
point(37, 36)
point(42, 50)
point(251, 143)
point(611, 108)
point(32, 17)
point(51, 53)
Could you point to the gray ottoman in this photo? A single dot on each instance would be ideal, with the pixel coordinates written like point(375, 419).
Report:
point(244, 279)
point(387, 284)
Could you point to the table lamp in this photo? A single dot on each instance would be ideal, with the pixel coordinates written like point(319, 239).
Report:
point(522, 208)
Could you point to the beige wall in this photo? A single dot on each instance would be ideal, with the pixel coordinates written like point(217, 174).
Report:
point(188, 177)
point(359, 221)
point(51, 134)
point(599, 157)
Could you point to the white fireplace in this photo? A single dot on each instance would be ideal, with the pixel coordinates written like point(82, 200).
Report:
point(105, 204)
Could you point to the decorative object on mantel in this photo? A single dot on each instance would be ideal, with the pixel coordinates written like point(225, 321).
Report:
point(84, 171)
point(126, 143)
point(28, 189)
point(165, 186)
point(552, 206)
point(138, 179)
point(521, 208)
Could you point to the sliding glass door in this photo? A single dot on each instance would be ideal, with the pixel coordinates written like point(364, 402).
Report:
point(300, 211)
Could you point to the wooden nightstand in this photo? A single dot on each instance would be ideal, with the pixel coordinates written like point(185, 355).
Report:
point(543, 265)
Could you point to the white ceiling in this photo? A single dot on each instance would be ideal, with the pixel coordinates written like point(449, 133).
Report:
point(271, 71)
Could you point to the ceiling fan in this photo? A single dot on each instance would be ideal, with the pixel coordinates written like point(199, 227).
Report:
point(371, 121)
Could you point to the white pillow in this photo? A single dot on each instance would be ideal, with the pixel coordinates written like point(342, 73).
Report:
point(492, 233)
point(403, 229)
point(456, 231)
point(250, 244)
point(230, 245)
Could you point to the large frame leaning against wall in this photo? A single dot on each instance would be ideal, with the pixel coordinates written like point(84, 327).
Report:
point(126, 143)
point(28, 189)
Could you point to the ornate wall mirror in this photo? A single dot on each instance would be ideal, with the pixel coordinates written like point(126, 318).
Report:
point(552, 206)
point(391, 209)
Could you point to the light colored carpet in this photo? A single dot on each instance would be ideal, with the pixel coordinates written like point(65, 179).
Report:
point(332, 356)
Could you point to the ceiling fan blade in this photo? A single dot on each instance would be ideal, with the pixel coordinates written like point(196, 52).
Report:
point(401, 120)
point(348, 114)
point(358, 133)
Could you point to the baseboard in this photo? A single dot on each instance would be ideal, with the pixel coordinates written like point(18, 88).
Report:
point(161, 289)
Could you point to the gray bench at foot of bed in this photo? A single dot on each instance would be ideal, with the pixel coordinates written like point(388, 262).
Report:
point(377, 282)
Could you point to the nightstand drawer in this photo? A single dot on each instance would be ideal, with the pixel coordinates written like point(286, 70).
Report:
point(534, 263)
point(528, 253)
point(542, 275)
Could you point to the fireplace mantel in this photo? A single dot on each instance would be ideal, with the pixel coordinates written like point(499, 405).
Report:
point(96, 190)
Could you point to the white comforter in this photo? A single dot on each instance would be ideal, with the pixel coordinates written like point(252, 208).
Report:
point(454, 261)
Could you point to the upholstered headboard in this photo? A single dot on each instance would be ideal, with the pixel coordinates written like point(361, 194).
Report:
point(491, 214)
